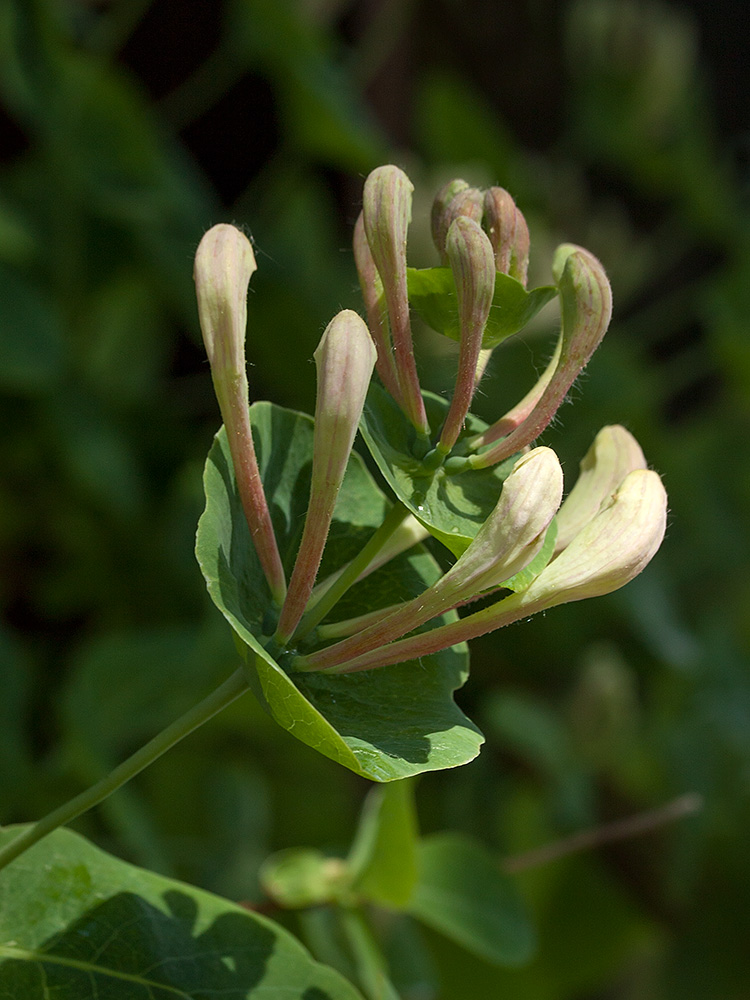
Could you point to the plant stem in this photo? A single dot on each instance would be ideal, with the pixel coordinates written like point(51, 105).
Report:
point(368, 959)
point(224, 695)
point(336, 591)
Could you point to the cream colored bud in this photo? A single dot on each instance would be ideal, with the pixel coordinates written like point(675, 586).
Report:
point(514, 532)
point(614, 453)
point(611, 549)
point(224, 264)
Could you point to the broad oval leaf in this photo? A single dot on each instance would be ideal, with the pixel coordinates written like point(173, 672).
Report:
point(462, 893)
point(76, 922)
point(432, 295)
point(383, 724)
point(452, 507)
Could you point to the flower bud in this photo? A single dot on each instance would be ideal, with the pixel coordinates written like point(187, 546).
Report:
point(586, 300)
point(344, 360)
point(386, 213)
point(466, 203)
point(609, 551)
point(505, 544)
point(508, 233)
point(473, 264)
point(606, 554)
point(377, 311)
point(442, 200)
point(224, 264)
point(614, 453)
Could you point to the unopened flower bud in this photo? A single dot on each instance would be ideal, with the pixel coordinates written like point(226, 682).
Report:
point(377, 310)
point(609, 551)
point(386, 213)
point(614, 453)
point(586, 300)
point(344, 360)
point(613, 548)
point(465, 204)
point(505, 544)
point(224, 264)
point(443, 198)
point(473, 264)
point(508, 233)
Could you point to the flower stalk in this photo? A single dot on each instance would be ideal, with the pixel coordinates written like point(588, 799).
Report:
point(224, 264)
point(344, 360)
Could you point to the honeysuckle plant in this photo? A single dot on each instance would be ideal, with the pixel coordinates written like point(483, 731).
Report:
point(348, 629)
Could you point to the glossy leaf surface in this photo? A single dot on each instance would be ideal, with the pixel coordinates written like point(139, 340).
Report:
point(383, 724)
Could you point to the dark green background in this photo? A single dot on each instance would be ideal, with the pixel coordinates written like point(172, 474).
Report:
point(127, 128)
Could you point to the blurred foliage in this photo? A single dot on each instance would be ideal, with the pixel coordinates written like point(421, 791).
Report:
point(128, 128)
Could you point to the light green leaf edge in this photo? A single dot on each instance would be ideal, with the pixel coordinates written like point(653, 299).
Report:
point(451, 507)
point(432, 295)
point(76, 922)
point(383, 724)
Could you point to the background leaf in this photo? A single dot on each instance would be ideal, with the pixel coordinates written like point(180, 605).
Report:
point(461, 893)
point(77, 922)
point(384, 724)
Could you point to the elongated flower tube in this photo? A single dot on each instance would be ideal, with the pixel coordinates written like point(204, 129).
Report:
point(344, 360)
point(224, 264)
point(386, 213)
point(614, 453)
point(505, 544)
point(586, 310)
point(508, 233)
point(473, 264)
point(612, 549)
point(377, 311)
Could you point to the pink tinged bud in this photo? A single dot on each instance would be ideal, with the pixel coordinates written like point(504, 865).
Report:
point(224, 264)
point(505, 544)
point(473, 264)
point(586, 300)
point(614, 453)
point(377, 311)
point(612, 549)
point(508, 233)
point(466, 204)
point(386, 214)
point(344, 360)
point(442, 200)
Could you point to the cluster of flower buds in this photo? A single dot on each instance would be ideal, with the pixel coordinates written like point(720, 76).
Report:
point(602, 535)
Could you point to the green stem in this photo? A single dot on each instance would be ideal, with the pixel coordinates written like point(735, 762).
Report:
point(224, 695)
point(358, 565)
point(368, 959)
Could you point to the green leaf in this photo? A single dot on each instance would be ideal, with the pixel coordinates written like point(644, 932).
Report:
point(432, 295)
point(383, 724)
point(452, 507)
point(76, 922)
point(383, 858)
point(462, 893)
